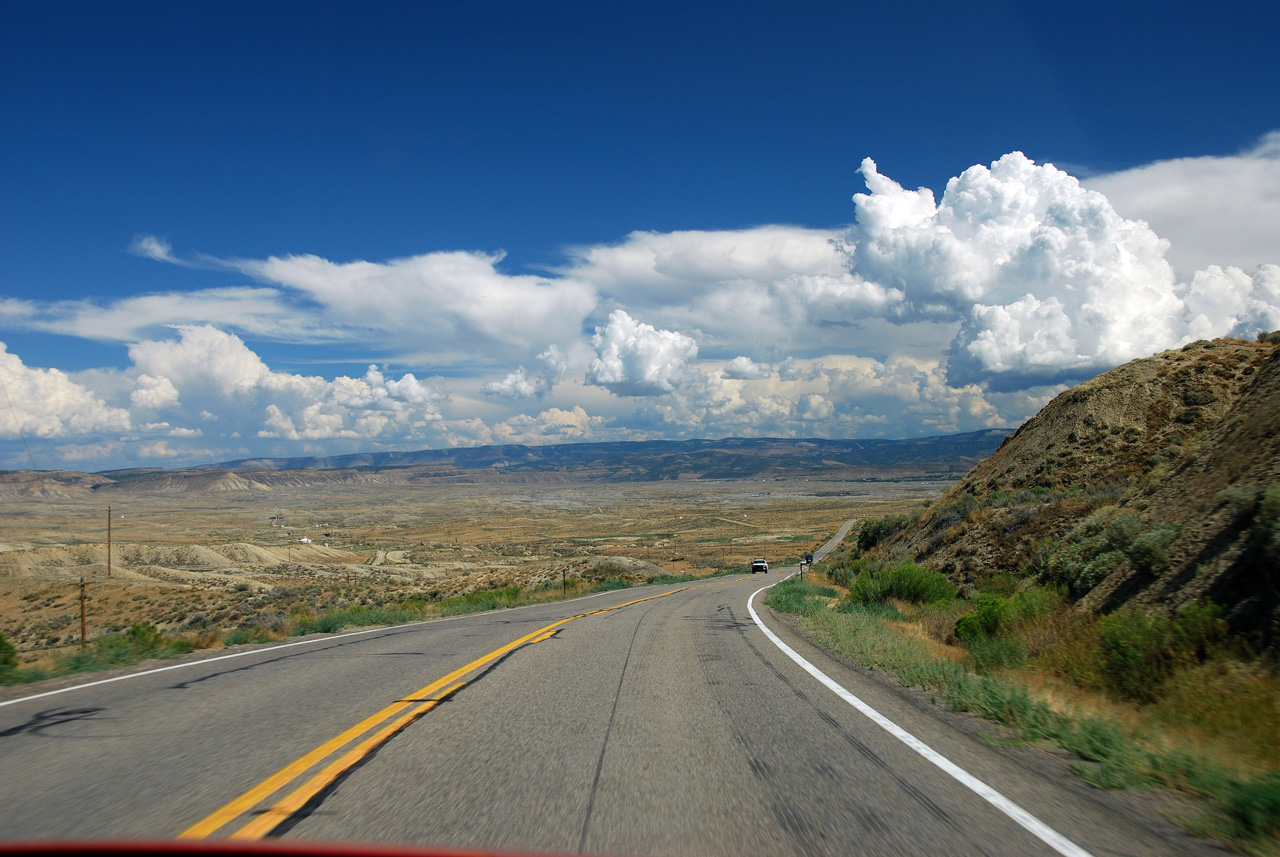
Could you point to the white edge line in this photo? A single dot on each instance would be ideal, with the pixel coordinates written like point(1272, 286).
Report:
point(325, 639)
point(1038, 828)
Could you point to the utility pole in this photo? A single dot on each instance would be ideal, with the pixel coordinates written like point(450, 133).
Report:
point(82, 611)
point(108, 573)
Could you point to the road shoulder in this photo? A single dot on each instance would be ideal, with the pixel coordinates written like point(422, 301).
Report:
point(1036, 776)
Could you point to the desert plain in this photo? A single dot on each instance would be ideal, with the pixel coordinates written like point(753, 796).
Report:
point(205, 563)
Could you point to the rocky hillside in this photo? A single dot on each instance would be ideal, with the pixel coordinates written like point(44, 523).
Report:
point(1157, 484)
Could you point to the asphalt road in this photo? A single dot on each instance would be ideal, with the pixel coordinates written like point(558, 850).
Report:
point(673, 725)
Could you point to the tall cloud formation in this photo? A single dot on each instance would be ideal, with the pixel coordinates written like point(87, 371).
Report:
point(926, 315)
point(47, 403)
point(1047, 281)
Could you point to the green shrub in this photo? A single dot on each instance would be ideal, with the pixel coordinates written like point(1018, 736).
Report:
point(1000, 584)
point(317, 625)
point(906, 582)
point(1255, 805)
point(990, 616)
point(8, 654)
point(492, 599)
point(1135, 652)
point(1122, 531)
point(1241, 500)
point(877, 610)
point(1269, 513)
point(989, 630)
point(876, 530)
point(995, 652)
point(1149, 552)
point(844, 575)
point(1269, 504)
point(799, 596)
point(1199, 397)
point(1118, 759)
point(611, 584)
point(142, 641)
point(1141, 650)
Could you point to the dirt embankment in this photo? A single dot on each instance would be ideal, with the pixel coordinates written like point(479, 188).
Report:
point(1170, 457)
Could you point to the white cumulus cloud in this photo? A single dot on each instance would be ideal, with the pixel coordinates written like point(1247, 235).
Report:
point(516, 385)
point(637, 359)
point(745, 369)
point(1045, 278)
point(47, 403)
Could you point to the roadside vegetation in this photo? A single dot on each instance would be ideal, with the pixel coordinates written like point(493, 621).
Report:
point(301, 611)
point(1140, 698)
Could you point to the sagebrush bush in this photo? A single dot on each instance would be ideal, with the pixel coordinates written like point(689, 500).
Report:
point(8, 654)
point(799, 596)
point(876, 530)
point(142, 641)
point(1149, 552)
point(1140, 650)
point(994, 631)
point(906, 582)
point(1255, 805)
point(847, 573)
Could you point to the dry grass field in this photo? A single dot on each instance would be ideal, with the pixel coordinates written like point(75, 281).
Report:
point(206, 563)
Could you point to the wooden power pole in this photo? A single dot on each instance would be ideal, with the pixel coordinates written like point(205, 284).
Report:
point(82, 611)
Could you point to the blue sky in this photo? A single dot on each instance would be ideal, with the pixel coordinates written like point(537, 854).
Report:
point(547, 222)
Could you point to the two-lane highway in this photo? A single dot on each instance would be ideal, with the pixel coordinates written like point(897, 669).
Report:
point(660, 720)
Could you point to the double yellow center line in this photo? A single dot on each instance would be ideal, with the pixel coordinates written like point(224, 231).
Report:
point(378, 728)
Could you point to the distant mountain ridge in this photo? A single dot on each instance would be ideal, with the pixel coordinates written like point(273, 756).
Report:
point(943, 450)
point(939, 457)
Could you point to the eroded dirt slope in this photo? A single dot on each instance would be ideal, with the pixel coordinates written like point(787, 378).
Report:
point(1177, 450)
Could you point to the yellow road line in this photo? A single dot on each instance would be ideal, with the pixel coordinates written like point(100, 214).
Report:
point(296, 800)
point(285, 775)
point(426, 699)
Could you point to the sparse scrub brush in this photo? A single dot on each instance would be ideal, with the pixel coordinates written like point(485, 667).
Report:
point(8, 654)
point(906, 582)
point(1141, 650)
point(799, 596)
point(994, 631)
point(999, 584)
point(876, 530)
point(611, 584)
point(845, 574)
point(1254, 806)
point(1149, 552)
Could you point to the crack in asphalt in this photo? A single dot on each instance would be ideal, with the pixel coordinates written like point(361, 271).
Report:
point(604, 747)
point(50, 717)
